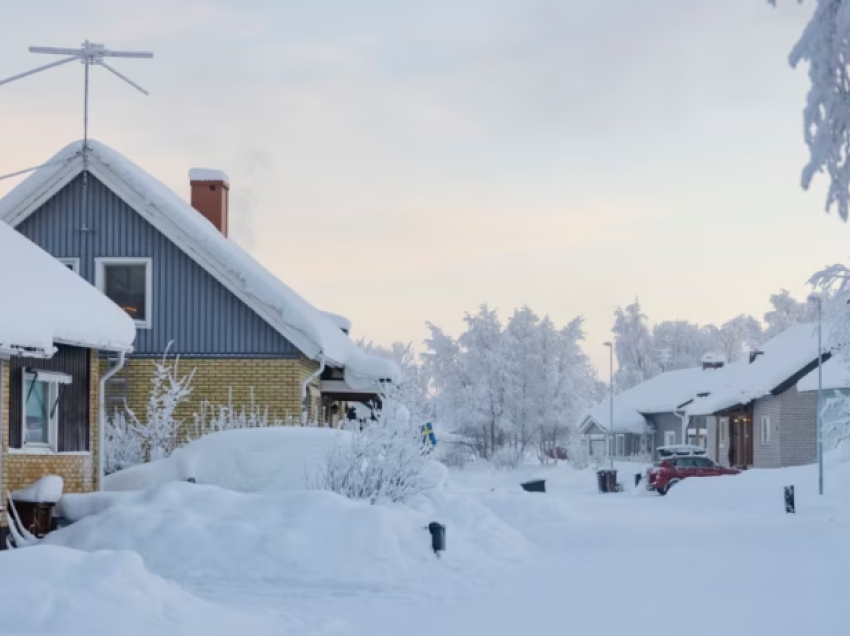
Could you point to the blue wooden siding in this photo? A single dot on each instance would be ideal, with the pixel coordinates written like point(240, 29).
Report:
point(190, 307)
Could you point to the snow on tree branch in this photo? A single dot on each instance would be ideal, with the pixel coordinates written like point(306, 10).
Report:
point(825, 46)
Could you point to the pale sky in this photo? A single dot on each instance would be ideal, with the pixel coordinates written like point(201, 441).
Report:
point(401, 162)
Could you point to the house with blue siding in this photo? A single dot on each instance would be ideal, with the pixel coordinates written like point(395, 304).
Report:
point(190, 289)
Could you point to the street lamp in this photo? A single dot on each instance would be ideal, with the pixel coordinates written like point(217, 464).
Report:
point(819, 301)
point(610, 346)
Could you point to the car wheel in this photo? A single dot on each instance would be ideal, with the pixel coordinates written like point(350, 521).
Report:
point(663, 491)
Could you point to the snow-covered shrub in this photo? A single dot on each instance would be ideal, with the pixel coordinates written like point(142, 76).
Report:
point(158, 433)
point(123, 446)
point(506, 458)
point(386, 461)
point(215, 419)
point(454, 456)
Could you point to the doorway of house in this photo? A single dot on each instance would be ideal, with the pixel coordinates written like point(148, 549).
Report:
point(741, 441)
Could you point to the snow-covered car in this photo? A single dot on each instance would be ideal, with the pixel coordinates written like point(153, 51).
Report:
point(667, 472)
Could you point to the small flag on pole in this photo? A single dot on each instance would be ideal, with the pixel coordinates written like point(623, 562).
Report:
point(428, 436)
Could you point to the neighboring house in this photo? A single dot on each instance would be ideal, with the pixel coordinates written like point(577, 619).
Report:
point(650, 414)
point(750, 413)
point(757, 417)
point(174, 270)
point(52, 327)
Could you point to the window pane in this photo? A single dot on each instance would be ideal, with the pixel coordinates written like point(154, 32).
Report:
point(126, 286)
point(36, 428)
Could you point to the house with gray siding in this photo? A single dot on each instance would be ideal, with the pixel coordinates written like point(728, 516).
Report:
point(190, 289)
point(757, 412)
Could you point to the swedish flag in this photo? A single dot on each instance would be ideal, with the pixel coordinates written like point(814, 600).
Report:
point(428, 436)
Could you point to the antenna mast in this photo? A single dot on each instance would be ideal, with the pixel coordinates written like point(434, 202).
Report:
point(90, 54)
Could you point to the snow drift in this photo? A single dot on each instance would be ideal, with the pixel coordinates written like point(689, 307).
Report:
point(190, 533)
point(53, 590)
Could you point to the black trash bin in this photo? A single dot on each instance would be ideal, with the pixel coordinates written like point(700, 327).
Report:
point(538, 485)
point(438, 537)
point(607, 479)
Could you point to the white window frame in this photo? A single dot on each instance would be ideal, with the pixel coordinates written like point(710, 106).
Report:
point(620, 445)
point(52, 380)
point(73, 262)
point(103, 262)
point(723, 428)
point(667, 438)
point(765, 430)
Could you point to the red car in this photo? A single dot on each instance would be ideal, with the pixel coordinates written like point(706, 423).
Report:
point(671, 470)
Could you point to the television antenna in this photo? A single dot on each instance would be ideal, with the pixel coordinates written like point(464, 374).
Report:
point(90, 54)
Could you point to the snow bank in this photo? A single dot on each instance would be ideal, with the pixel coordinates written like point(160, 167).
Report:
point(760, 493)
point(46, 490)
point(50, 590)
point(278, 459)
point(194, 533)
point(66, 308)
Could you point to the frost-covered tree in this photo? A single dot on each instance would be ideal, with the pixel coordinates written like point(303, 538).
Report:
point(739, 335)
point(825, 45)
point(512, 389)
point(634, 348)
point(787, 312)
point(414, 379)
point(683, 343)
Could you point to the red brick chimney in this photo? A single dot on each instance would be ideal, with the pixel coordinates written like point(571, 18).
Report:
point(210, 194)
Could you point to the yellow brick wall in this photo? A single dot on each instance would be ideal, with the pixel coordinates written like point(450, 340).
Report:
point(79, 471)
point(276, 384)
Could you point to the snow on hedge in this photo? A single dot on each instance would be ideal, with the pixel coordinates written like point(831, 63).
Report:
point(66, 308)
point(279, 459)
point(50, 590)
point(309, 329)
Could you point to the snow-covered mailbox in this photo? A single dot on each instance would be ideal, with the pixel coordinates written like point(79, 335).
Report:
point(53, 327)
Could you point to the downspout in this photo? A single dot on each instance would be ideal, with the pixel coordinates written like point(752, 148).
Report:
point(304, 386)
point(101, 417)
point(682, 415)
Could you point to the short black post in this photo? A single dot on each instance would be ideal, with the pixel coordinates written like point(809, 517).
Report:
point(637, 479)
point(789, 500)
point(191, 480)
point(538, 485)
point(438, 537)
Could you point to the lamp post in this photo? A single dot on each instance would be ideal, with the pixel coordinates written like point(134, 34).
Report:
point(610, 444)
point(819, 301)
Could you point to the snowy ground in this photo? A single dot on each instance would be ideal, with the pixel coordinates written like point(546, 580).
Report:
point(715, 554)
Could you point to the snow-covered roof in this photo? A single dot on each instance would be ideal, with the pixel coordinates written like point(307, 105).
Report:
point(700, 391)
point(48, 303)
point(836, 375)
point(208, 174)
point(306, 327)
point(778, 360)
point(340, 321)
point(662, 394)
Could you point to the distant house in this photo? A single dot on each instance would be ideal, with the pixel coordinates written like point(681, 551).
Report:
point(749, 413)
point(172, 267)
point(650, 415)
point(53, 325)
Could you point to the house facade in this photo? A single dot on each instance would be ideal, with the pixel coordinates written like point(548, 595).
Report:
point(757, 412)
point(190, 290)
point(50, 378)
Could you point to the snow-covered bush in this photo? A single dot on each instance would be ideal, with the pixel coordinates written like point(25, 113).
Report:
point(506, 458)
point(123, 446)
point(386, 461)
point(215, 419)
point(454, 456)
point(158, 433)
